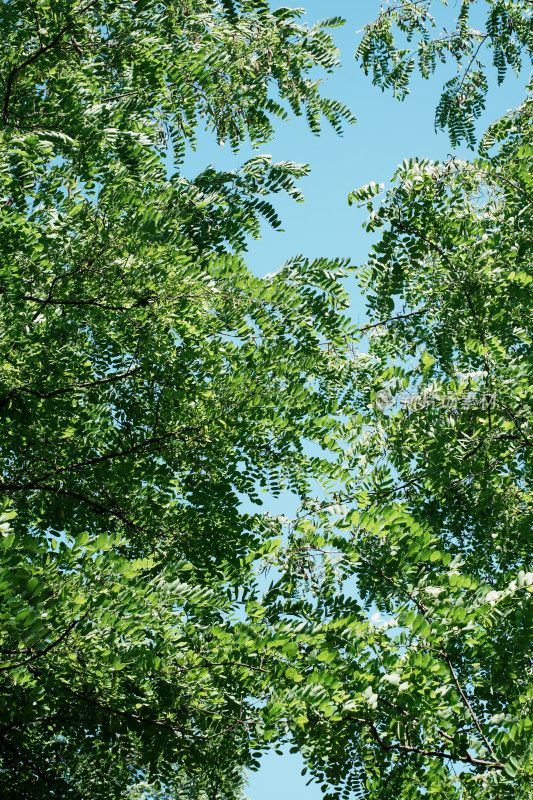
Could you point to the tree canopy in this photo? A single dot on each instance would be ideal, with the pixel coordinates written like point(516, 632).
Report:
point(150, 382)
point(407, 36)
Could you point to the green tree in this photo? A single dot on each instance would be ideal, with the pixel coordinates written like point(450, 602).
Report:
point(407, 36)
point(435, 693)
point(424, 683)
point(428, 688)
point(149, 381)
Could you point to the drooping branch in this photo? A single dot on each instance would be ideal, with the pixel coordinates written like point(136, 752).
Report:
point(442, 754)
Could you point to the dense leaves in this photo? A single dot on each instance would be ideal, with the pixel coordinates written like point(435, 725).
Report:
point(149, 382)
point(155, 638)
point(439, 471)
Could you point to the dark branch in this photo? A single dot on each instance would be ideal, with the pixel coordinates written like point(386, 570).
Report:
point(46, 649)
point(442, 754)
point(43, 49)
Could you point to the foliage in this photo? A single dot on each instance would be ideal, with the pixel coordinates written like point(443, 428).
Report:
point(150, 382)
point(435, 519)
point(93, 649)
point(507, 33)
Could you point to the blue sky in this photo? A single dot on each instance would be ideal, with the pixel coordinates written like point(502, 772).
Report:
point(386, 132)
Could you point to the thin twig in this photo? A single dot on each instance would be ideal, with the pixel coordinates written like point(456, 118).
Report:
point(46, 649)
point(43, 49)
point(467, 758)
point(393, 319)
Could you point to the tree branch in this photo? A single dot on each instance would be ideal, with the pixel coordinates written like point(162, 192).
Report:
point(74, 388)
point(224, 664)
point(393, 319)
point(46, 649)
point(25, 761)
point(43, 49)
point(466, 701)
point(442, 754)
